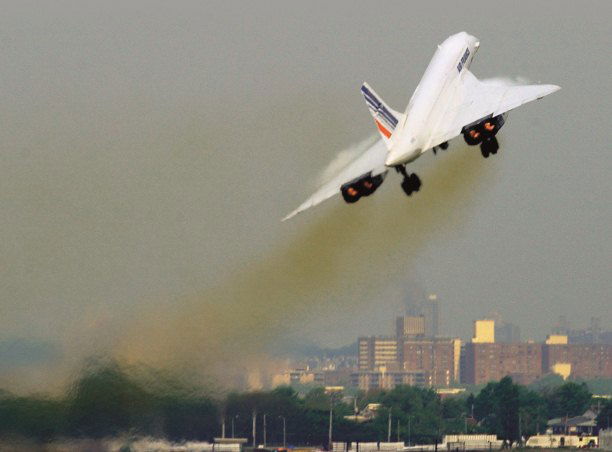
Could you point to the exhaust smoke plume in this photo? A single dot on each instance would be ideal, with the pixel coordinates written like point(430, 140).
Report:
point(226, 330)
point(344, 158)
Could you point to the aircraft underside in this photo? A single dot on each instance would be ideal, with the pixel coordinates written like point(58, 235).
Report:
point(483, 134)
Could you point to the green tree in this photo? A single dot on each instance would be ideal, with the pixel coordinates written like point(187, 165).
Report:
point(317, 399)
point(604, 418)
point(104, 401)
point(507, 395)
point(532, 411)
point(305, 425)
point(569, 399)
point(418, 410)
point(497, 408)
point(485, 408)
point(454, 415)
point(188, 418)
point(37, 418)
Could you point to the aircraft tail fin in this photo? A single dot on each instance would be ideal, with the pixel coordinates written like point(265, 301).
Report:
point(385, 117)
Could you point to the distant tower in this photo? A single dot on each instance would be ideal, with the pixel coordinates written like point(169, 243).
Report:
point(410, 326)
point(433, 309)
point(429, 309)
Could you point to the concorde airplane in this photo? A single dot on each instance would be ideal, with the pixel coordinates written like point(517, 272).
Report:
point(449, 101)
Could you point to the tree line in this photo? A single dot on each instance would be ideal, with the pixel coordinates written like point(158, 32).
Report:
point(110, 400)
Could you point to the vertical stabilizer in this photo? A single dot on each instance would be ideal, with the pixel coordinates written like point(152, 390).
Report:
point(385, 117)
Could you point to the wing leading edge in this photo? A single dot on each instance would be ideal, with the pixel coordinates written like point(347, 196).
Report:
point(372, 160)
point(477, 99)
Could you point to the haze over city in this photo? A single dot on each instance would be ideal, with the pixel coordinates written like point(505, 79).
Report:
point(150, 151)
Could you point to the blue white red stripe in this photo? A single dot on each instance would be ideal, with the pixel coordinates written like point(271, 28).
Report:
point(385, 120)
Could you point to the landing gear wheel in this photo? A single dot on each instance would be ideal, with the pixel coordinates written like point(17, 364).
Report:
point(444, 146)
point(494, 145)
point(407, 186)
point(411, 184)
point(489, 146)
point(415, 181)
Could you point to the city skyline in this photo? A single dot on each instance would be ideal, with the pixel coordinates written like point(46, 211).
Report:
point(410, 355)
point(150, 150)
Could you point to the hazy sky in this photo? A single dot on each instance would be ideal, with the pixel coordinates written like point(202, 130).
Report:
point(151, 148)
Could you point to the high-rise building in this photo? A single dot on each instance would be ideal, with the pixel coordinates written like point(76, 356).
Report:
point(487, 361)
point(377, 352)
point(427, 308)
point(436, 358)
point(410, 326)
point(433, 312)
point(577, 360)
point(526, 362)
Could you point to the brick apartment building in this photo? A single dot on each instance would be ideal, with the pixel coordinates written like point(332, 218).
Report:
point(408, 358)
point(375, 352)
point(581, 360)
point(413, 357)
point(485, 360)
point(436, 358)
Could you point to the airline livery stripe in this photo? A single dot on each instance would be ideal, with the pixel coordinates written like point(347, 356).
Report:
point(370, 96)
point(373, 106)
point(384, 113)
point(387, 123)
point(378, 106)
point(386, 119)
point(388, 115)
point(384, 131)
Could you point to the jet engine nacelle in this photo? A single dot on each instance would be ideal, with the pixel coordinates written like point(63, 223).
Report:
point(486, 128)
point(491, 126)
point(362, 186)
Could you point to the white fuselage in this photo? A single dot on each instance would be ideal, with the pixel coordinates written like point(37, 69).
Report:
point(433, 95)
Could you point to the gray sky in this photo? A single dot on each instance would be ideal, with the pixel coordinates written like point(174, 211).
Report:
point(150, 149)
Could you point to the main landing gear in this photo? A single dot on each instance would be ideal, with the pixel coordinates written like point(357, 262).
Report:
point(411, 182)
point(489, 146)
